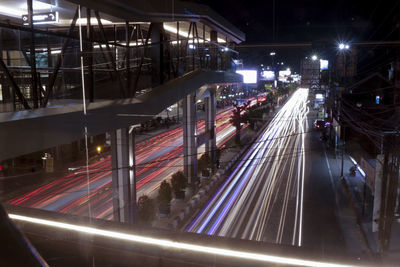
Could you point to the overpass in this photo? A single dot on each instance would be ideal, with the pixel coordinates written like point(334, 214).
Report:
point(75, 69)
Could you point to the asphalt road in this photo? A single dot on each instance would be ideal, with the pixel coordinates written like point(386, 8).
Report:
point(281, 191)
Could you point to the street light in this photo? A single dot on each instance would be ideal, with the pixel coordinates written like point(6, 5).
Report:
point(272, 54)
point(343, 46)
point(314, 57)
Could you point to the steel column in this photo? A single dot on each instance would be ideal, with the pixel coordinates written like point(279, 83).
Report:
point(213, 50)
point(157, 54)
point(127, 60)
point(211, 144)
point(89, 56)
point(34, 81)
point(123, 180)
point(189, 138)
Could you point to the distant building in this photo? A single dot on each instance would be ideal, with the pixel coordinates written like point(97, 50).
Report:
point(310, 73)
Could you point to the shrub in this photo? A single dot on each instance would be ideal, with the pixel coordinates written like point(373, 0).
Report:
point(204, 162)
point(164, 193)
point(146, 210)
point(178, 181)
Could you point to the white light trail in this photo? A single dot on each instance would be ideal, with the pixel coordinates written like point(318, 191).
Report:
point(164, 243)
point(236, 211)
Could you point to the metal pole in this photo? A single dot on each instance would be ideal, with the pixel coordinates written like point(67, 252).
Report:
point(33, 56)
point(343, 146)
point(132, 176)
point(178, 46)
point(89, 55)
point(127, 60)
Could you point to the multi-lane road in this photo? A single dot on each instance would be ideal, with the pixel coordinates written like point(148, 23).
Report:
point(282, 191)
point(262, 199)
point(157, 159)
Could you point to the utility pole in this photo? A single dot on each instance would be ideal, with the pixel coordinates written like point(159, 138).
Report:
point(389, 190)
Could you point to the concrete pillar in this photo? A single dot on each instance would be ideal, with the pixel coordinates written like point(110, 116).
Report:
point(189, 138)
point(157, 54)
point(123, 180)
point(211, 144)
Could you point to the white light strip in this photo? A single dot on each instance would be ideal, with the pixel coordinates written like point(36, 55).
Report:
point(175, 245)
point(83, 21)
point(358, 166)
point(185, 33)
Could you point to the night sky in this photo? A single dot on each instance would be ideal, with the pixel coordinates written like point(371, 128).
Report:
point(316, 21)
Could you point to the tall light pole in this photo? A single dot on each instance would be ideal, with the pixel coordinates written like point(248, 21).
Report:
point(343, 47)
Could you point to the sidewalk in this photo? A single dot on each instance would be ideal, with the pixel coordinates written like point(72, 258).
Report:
point(362, 201)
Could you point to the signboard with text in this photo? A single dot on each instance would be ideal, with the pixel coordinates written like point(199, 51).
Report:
point(41, 18)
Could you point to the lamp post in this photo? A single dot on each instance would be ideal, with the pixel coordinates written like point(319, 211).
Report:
point(342, 49)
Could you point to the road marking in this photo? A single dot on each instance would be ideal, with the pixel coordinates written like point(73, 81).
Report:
point(330, 172)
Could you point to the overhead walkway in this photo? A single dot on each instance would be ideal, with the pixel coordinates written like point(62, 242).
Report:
point(34, 130)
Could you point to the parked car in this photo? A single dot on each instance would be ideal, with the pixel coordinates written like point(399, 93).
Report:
point(321, 124)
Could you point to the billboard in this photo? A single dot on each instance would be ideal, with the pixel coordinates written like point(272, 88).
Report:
point(249, 76)
point(268, 75)
point(324, 64)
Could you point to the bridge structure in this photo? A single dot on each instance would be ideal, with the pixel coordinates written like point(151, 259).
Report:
point(75, 69)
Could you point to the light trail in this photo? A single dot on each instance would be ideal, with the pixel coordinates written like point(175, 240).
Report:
point(175, 245)
point(263, 199)
point(157, 158)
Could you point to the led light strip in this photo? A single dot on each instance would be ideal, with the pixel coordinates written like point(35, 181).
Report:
point(175, 245)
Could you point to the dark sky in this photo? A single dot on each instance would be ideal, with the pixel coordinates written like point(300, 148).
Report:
point(310, 20)
point(315, 21)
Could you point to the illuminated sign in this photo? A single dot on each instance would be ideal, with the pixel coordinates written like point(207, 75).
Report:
point(324, 64)
point(284, 73)
point(42, 18)
point(249, 76)
point(268, 75)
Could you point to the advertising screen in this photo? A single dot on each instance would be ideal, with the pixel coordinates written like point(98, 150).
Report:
point(324, 64)
point(249, 76)
point(268, 75)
